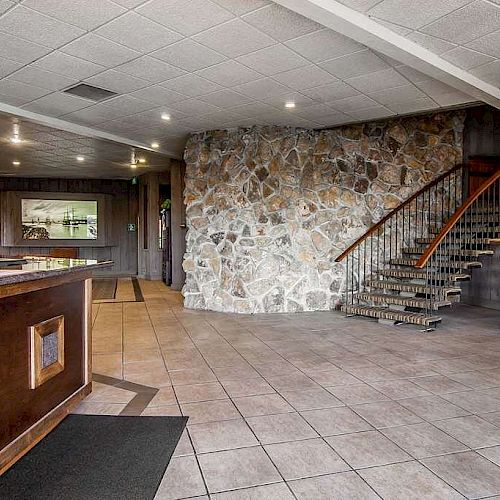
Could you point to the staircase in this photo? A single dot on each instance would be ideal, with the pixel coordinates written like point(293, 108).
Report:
point(411, 263)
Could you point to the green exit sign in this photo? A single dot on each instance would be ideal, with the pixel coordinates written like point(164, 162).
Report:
point(131, 228)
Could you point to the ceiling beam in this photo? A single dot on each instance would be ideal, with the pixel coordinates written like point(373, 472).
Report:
point(80, 129)
point(362, 29)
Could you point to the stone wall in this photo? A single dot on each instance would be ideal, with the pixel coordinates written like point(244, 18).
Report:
point(270, 208)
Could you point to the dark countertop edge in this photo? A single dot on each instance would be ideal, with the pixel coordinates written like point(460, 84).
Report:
point(24, 276)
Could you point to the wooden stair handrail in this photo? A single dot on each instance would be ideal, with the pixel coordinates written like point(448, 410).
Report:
point(454, 219)
point(381, 222)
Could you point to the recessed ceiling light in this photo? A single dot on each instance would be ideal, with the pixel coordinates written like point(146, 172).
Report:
point(133, 165)
point(16, 163)
point(289, 104)
point(165, 116)
point(155, 145)
point(80, 158)
point(16, 139)
point(142, 160)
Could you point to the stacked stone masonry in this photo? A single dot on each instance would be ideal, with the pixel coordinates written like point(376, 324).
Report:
point(268, 209)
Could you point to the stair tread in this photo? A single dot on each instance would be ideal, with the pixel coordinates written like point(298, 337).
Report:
point(452, 264)
point(392, 314)
point(464, 252)
point(386, 298)
point(411, 287)
point(419, 274)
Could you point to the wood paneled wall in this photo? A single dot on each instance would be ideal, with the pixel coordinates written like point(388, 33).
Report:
point(124, 208)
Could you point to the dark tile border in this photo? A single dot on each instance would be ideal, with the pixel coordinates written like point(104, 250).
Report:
point(137, 290)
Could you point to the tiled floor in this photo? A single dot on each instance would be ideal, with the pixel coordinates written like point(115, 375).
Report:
point(308, 406)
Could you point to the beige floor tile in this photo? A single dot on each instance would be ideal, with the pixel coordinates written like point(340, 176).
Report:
point(433, 408)
point(357, 394)
point(386, 414)
point(300, 459)
point(242, 468)
point(184, 446)
point(333, 421)
point(164, 397)
point(367, 449)
point(280, 428)
point(94, 408)
point(492, 454)
point(333, 378)
point(439, 384)
point(192, 376)
point(162, 411)
point(292, 382)
point(224, 435)
point(312, 399)
point(264, 404)
point(242, 371)
point(342, 486)
point(472, 431)
point(275, 369)
point(408, 481)
point(268, 492)
point(248, 387)
point(372, 373)
point(102, 393)
point(399, 389)
point(200, 392)
point(474, 401)
point(182, 480)
point(493, 418)
point(471, 474)
point(210, 411)
point(108, 364)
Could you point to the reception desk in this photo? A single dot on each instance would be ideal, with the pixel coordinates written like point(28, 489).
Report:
point(45, 347)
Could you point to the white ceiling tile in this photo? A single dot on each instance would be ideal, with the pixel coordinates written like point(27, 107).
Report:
point(280, 23)
point(194, 107)
point(17, 49)
point(150, 69)
point(453, 98)
point(413, 75)
point(7, 67)
point(158, 95)
point(138, 33)
point(357, 64)
point(400, 30)
point(323, 45)
point(191, 85)
point(130, 4)
point(489, 72)
point(405, 93)
point(152, 119)
point(100, 50)
point(305, 77)
point(300, 100)
point(117, 82)
point(189, 55)
point(65, 64)
point(254, 109)
point(360, 5)
point(352, 103)
point(333, 120)
point(289, 120)
point(385, 79)
point(335, 90)
point(229, 73)
point(57, 104)
point(5, 5)
point(127, 105)
point(414, 14)
point(234, 38)
point(87, 14)
point(272, 60)
point(488, 44)
point(92, 115)
point(466, 58)
point(14, 88)
point(472, 21)
point(185, 16)
point(44, 79)
point(38, 28)
point(423, 104)
point(431, 43)
point(240, 7)
point(316, 111)
point(260, 89)
point(434, 87)
point(225, 98)
point(372, 113)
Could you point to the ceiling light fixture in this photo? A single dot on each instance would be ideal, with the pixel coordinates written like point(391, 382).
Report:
point(289, 105)
point(165, 116)
point(80, 158)
point(16, 163)
point(15, 139)
point(142, 160)
point(155, 145)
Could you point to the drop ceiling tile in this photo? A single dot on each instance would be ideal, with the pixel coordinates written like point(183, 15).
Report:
point(92, 115)
point(13, 101)
point(57, 104)
point(17, 49)
point(65, 64)
point(350, 104)
point(158, 95)
point(472, 21)
point(431, 43)
point(360, 63)
point(413, 75)
point(280, 23)
point(14, 88)
point(185, 16)
point(38, 28)
point(400, 30)
point(253, 110)
point(422, 104)
point(100, 50)
point(5, 5)
point(372, 113)
point(323, 45)
point(466, 58)
point(87, 14)
point(225, 98)
point(240, 7)
point(44, 79)
point(317, 112)
point(489, 72)
point(488, 44)
point(7, 67)
point(387, 78)
point(138, 33)
point(189, 55)
point(360, 5)
point(117, 82)
point(434, 88)
point(405, 93)
point(229, 73)
point(305, 77)
point(453, 98)
point(234, 38)
point(194, 107)
point(150, 69)
point(127, 105)
point(278, 101)
point(272, 60)
point(191, 85)
point(130, 4)
point(335, 90)
point(413, 14)
point(260, 89)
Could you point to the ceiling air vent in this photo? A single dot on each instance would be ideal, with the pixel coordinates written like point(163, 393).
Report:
point(89, 92)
